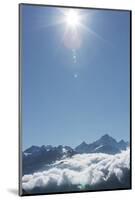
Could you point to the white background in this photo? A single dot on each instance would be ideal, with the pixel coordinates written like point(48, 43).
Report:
point(9, 98)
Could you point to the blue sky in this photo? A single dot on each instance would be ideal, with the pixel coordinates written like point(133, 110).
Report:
point(67, 102)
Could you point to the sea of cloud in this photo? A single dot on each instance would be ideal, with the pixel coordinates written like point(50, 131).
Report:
point(81, 170)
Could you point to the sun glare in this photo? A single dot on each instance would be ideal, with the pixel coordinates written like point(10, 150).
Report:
point(72, 18)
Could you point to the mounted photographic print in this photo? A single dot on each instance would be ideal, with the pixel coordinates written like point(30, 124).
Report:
point(75, 99)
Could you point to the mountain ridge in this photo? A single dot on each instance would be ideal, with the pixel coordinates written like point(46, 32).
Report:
point(103, 139)
point(38, 157)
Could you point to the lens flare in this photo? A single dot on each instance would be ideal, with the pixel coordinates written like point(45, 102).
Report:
point(72, 18)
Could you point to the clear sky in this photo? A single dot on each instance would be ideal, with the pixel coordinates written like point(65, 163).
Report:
point(73, 93)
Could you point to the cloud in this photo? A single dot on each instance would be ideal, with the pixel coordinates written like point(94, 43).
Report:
point(82, 171)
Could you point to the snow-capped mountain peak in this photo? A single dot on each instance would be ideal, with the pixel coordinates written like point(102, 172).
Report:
point(36, 157)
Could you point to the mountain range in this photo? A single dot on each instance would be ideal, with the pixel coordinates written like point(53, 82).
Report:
point(38, 158)
point(106, 144)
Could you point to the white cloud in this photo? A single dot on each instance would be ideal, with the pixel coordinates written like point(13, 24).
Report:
point(81, 169)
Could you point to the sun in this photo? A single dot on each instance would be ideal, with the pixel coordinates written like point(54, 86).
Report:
point(72, 18)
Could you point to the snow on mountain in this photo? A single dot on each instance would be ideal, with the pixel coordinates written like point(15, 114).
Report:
point(98, 147)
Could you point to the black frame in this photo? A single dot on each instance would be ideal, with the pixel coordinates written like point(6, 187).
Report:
point(20, 96)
